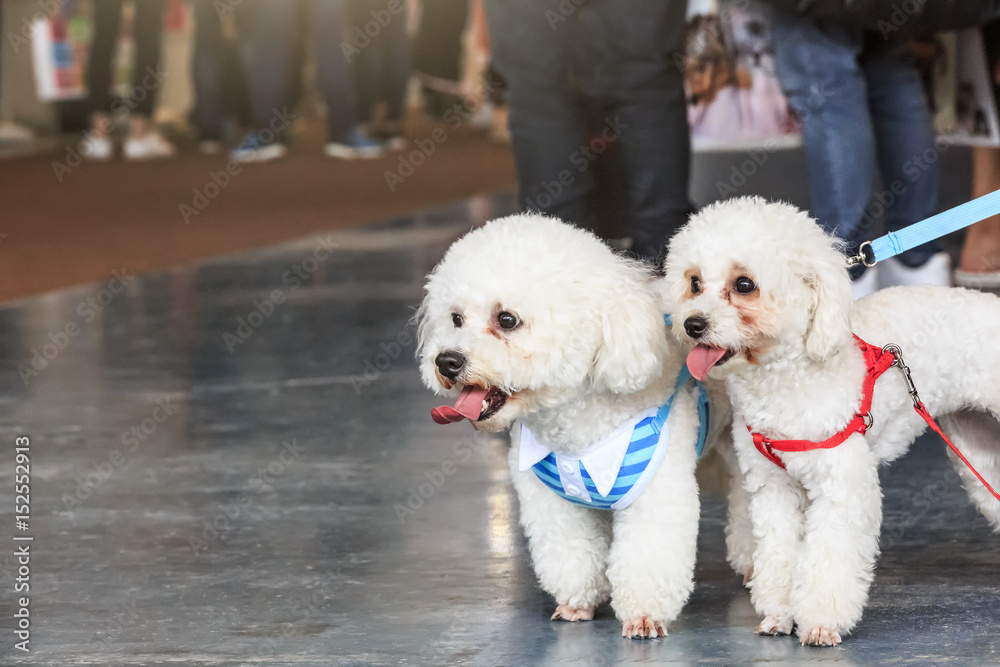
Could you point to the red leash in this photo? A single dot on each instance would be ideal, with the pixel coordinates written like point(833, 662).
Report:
point(878, 360)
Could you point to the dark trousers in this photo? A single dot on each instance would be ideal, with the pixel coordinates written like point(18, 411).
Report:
point(619, 56)
point(147, 31)
point(383, 65)
point(267, 32)
point(219, 84)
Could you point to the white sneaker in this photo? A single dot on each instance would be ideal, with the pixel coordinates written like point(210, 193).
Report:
point(99, 149)
point(935, 271)
point(866, 285)
point(151, 146)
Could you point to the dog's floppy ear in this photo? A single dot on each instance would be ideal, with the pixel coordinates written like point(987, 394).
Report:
point(830, 328)
point(634, 338)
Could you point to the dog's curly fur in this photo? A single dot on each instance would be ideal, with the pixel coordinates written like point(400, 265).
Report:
point(793, 371)
point(590, 353)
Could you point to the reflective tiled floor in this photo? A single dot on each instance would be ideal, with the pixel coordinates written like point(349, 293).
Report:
point(233, 463)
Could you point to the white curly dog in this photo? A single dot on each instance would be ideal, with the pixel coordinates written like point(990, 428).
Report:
point(532, 324)
point(764, 298)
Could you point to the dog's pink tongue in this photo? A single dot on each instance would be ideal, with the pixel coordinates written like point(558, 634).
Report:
point(468, 406)
point(701, 359)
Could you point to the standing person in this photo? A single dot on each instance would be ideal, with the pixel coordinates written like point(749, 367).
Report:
point(143, 141)
point(267, 31)
point(560, 59)
point(383, 67)
point(220, 87)
point(979, 265)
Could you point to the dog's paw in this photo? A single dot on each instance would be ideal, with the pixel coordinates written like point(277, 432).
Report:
point(644, 628)
point(564, 612)
point(747, 577)
point(820, 637)
point(772, 625)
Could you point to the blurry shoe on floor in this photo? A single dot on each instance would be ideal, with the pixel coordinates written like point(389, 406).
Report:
point(96, 148)
point(865, 284)
point(252, 149)
point(150, 146)
point(977, 279)
point(210, 147)
point(355, 145)
point(13, 133)
point(935, 271)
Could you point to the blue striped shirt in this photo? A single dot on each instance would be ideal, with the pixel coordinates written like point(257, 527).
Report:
point(570, 476)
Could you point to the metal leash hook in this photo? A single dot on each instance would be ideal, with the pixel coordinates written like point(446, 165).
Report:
point(898, 362)
point(861, 258)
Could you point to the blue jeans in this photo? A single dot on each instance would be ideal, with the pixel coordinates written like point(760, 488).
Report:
point(863, 113)
point(267, 32)
point(560, 58)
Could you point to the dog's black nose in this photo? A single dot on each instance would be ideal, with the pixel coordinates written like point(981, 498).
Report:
point(695, 326)
point(450, 363)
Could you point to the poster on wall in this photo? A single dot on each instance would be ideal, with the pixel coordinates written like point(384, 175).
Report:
point(734, 99)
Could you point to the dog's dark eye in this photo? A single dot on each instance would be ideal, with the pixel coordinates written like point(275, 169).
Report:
point(695, 284)
point(744, 285)
point(507, 320)
point(457, 320)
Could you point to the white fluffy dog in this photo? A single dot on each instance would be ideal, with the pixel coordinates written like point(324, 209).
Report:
point(764, 297)
point(537, 325)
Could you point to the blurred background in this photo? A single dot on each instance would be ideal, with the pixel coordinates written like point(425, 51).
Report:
point(148, 134)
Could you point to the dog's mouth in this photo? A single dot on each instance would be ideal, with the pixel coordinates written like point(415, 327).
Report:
point(704, 358)
point(475, 403)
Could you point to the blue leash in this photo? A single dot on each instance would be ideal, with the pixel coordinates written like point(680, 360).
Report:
point(932, 228)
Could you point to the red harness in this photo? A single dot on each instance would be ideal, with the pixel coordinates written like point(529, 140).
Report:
point(878, 360)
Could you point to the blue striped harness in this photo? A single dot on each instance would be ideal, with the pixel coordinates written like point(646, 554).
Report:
point(634, 450)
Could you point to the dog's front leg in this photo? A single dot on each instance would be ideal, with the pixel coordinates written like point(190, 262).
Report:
point(568, 543)
point(776, 514)
point(840, 545)
point(651, 565)
point(739, 530)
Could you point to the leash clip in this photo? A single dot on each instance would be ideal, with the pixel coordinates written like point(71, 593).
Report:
point(868, 420)
point(898, 362)
point(861, 258)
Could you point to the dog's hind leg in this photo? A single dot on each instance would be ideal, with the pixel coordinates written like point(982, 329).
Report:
point(569, 545)
point(976, 433)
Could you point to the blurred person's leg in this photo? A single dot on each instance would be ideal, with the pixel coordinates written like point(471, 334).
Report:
point(107, 19)
point(547, 120)
point(266, 30)
point(437, 51)
point(144, 142)
point(625, 59)
point(980, 261)
point(820, 74)
point(338, 83)
point(907, 157)
point(207, 63)
point(382, 66)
